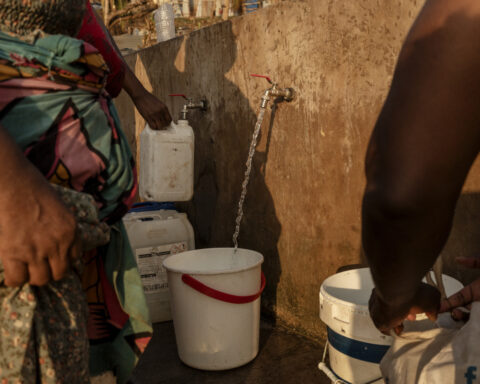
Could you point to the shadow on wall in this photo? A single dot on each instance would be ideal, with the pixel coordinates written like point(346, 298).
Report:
point(222, 140)
point(464, 238)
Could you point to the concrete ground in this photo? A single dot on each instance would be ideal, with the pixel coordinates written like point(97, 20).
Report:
point(284, 358)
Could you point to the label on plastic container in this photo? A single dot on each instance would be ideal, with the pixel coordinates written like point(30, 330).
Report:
point(150, 265)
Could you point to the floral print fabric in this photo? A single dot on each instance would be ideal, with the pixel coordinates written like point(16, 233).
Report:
point(43, 330)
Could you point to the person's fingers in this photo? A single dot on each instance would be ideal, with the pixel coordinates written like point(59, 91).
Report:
point(75, 251)
point(445, 306)
point(154, 112)
point(470, 262)
point(155, 123)
point(162, 119)
point(59, 264)
point(459, 299)
point(16, 273)
point(460, 315)
point(39, 272)
point(427, 299)
point(430, 313)
point(432, 316)
point(163, 116)
point(398, 329)
point(165, 123)
point(168, 116)
point(59, 260)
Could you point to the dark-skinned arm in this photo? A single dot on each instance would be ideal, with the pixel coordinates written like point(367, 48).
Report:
point(423, 145)
point(37, 231)
point(154, 111)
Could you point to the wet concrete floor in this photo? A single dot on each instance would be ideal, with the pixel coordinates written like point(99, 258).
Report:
point(284, 358)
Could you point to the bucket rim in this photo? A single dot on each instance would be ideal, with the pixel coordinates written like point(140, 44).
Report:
point(327, 296)
point(356, 307)
point(193, 271)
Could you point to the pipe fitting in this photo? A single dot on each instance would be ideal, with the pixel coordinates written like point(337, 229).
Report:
point(287, 94)
point(265, 99)
point(202, 105)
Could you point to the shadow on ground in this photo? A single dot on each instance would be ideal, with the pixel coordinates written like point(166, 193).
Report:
point(284, 358)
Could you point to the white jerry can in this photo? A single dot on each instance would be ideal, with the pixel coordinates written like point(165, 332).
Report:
point(156, 231)
point(166, 163)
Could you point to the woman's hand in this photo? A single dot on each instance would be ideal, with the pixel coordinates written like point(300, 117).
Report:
point(154, 112)
point(387, 317)
point(37, 232)
point(466, 296)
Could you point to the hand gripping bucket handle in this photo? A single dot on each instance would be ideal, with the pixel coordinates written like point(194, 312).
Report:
point(222, 296)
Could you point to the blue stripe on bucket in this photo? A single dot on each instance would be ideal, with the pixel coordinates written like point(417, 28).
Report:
point(372, 353)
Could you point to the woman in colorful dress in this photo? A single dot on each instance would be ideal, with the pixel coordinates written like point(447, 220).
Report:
point(67, 177)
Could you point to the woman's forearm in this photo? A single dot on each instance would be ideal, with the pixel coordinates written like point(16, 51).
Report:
point(37, 232)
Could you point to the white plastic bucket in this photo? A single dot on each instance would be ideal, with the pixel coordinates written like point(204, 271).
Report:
point(215, 301)
point(356, 347)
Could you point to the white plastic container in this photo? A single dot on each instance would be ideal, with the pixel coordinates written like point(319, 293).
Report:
point(356, 347)
point(155, 234)
point(213, 334)
point(166, 163)
point(164, 22)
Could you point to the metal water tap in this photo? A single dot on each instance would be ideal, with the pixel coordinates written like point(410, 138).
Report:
point(201, 104)
point(287, 94)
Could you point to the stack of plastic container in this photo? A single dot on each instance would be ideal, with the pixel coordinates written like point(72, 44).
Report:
point(155, 229)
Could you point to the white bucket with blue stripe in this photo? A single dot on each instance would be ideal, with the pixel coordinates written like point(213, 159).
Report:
point(356, 347)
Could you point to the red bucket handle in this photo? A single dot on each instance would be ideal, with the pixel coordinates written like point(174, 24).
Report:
point(222, 296)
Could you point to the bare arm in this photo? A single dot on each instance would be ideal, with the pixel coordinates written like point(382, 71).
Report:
point(424, 143)
point(154, 111)
point(37, 232)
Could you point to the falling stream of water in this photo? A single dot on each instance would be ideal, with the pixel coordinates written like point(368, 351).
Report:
point(253, 145)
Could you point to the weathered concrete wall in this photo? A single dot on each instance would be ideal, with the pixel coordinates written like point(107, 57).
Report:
point(303, 207)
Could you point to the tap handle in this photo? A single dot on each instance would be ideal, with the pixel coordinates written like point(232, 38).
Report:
point(263, 77)
point(179, 94)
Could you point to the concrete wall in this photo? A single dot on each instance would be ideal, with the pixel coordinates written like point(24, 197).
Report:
point(303, 206)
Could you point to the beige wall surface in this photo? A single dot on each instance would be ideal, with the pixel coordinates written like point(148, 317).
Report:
point(303, 206)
